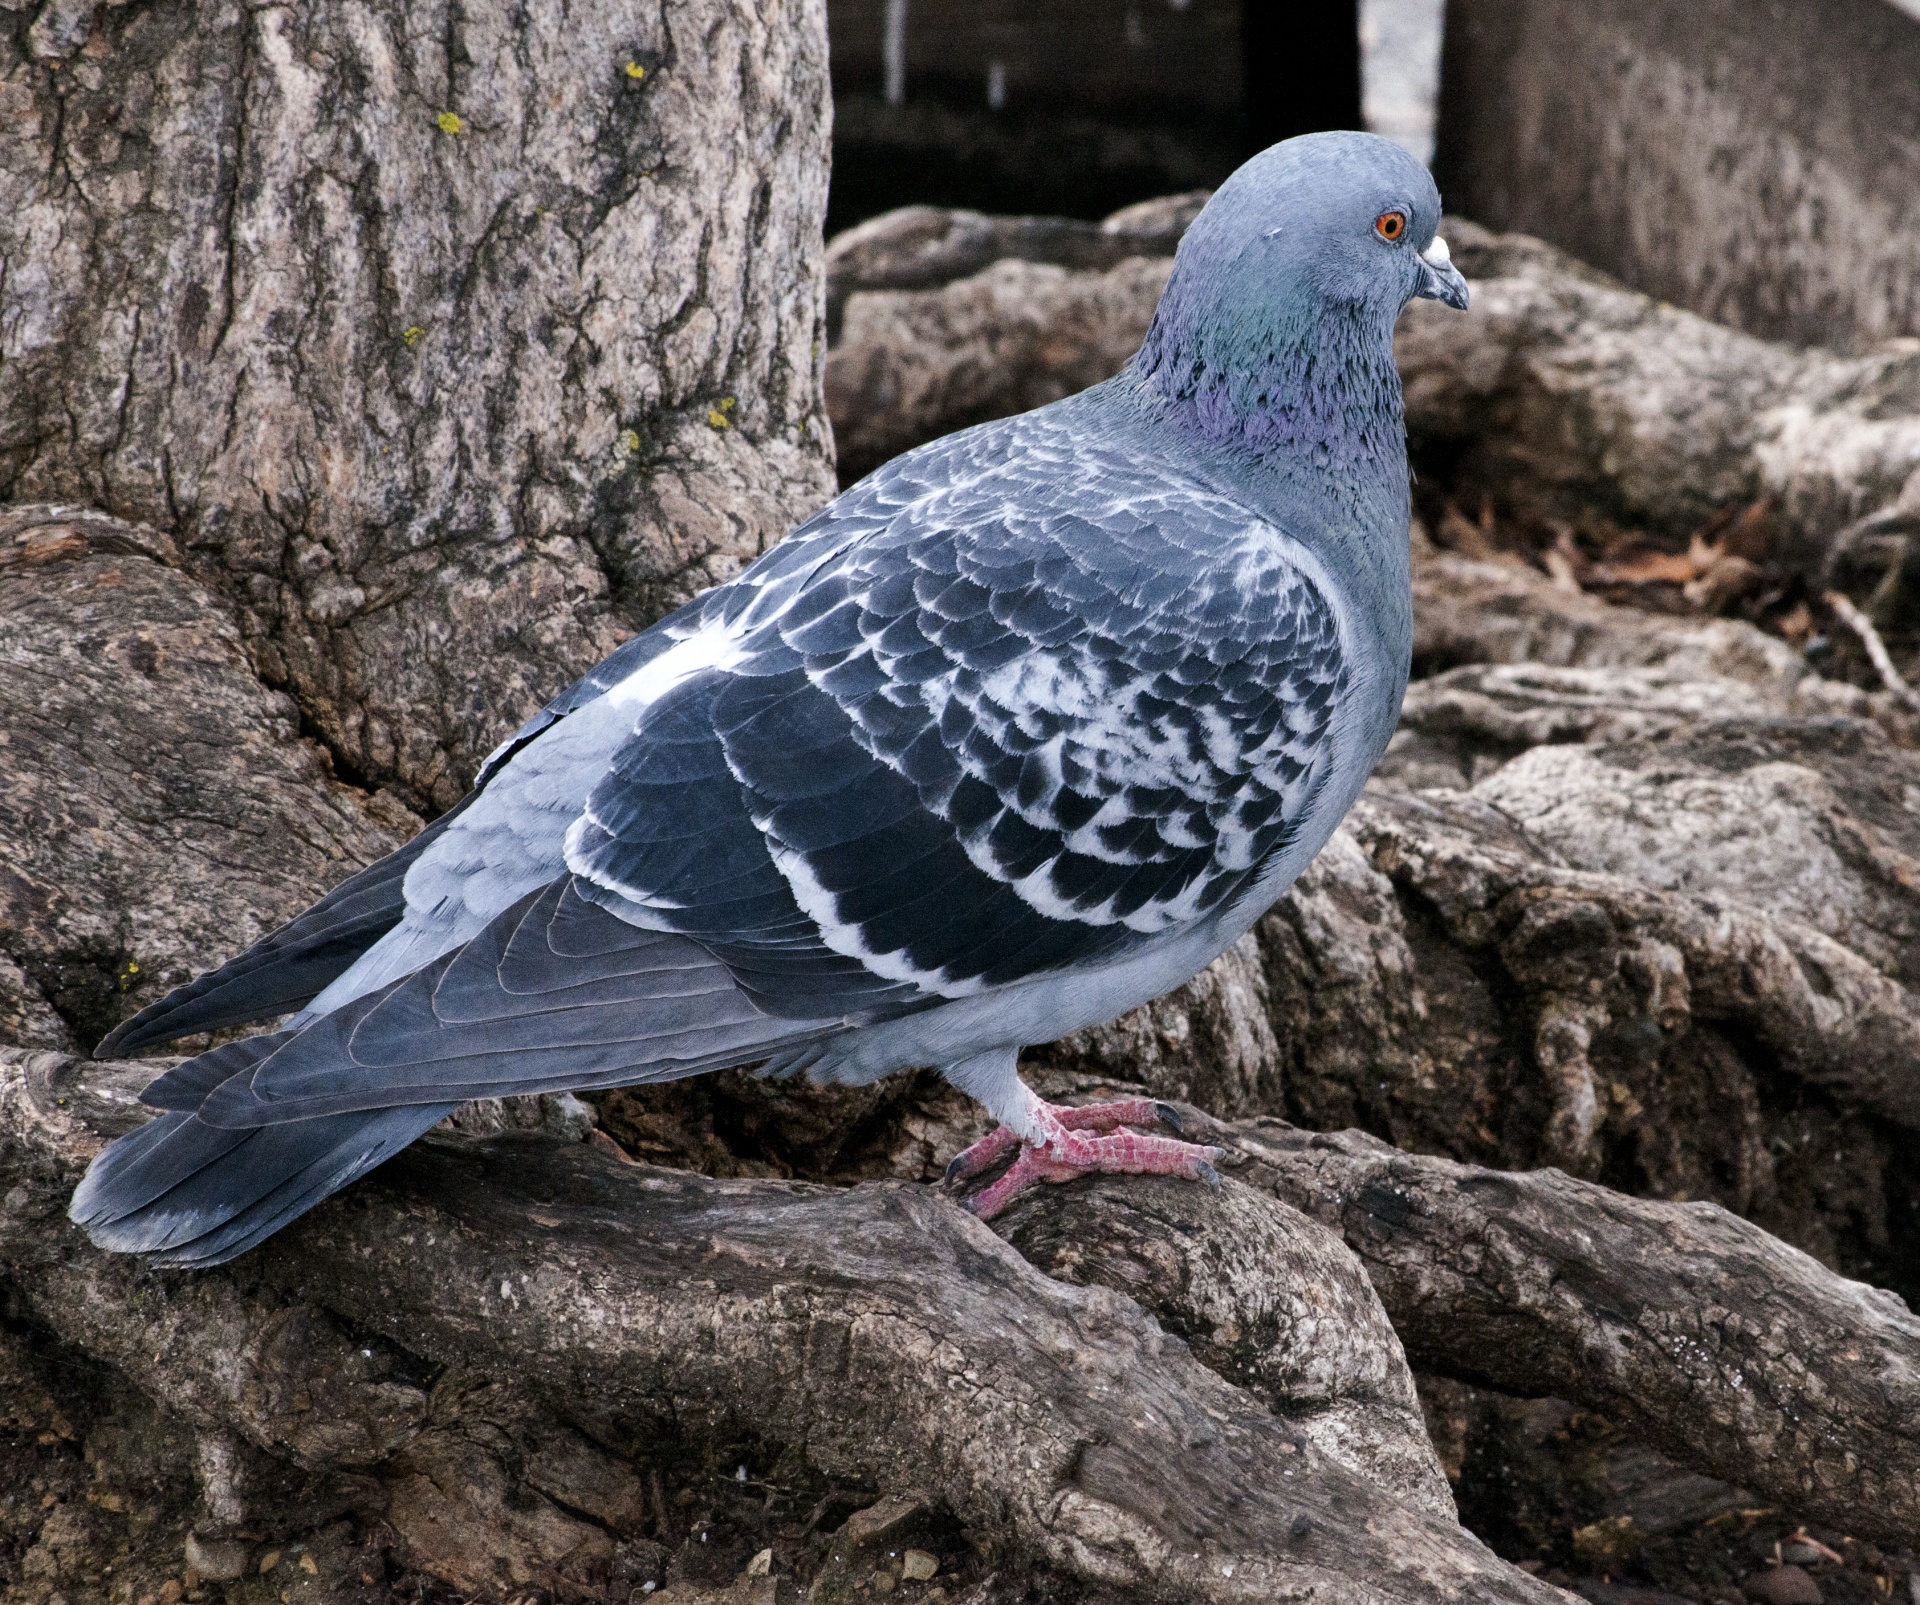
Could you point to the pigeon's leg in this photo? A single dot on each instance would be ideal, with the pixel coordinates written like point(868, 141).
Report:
point(1055, 1144)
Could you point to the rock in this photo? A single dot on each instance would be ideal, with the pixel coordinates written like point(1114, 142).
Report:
point(1782, 1585)
point(159, 809)
point(866, 1556)
point(219, 1560)
point(447, 346)
point(917, 1566)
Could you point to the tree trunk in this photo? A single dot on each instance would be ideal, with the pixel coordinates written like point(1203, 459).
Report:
point(448, 346)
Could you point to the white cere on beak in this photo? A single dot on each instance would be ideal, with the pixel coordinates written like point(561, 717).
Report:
point(1437, 253)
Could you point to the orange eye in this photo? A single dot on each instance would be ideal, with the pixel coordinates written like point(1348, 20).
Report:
point(1390, 225)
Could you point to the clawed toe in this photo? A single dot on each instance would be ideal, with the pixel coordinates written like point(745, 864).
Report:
point(982, 1155)
point(1094, 1140)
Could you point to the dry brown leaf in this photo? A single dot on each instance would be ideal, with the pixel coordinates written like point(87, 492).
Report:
point(1651, 568)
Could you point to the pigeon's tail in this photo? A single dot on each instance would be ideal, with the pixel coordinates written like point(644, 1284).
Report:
point(186, 1193)
point(554, 995)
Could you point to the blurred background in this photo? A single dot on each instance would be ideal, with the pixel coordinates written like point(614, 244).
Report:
point(1078, 107)
point(1752, 160)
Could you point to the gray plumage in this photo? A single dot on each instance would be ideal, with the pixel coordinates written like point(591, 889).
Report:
point(1021, 731)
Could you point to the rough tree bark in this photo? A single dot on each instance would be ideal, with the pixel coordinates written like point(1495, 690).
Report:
point(157, 806)
point(1733, 1353)
point(877, 1333)
point(446, 344)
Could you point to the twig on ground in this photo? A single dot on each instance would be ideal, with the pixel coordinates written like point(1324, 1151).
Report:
point(1876, 649)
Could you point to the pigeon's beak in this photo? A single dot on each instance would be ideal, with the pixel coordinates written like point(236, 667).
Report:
point(1440, 280)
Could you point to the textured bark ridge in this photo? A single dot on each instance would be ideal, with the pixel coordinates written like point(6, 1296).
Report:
point(1720, 1345)
point(158, 809)
point(447, 345)
point(870, 1333)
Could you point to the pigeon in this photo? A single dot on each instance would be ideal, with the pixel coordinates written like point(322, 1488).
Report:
point(1020, 732)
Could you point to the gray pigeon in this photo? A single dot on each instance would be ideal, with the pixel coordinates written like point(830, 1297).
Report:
point(1020, 732)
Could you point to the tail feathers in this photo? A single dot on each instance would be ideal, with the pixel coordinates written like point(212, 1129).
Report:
point(186, 1193)
point(187, 1084)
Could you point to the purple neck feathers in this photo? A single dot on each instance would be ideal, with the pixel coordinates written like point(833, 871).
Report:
point(1296, 392)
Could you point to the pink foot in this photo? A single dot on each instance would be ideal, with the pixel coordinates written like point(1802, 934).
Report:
point(1062, 1153)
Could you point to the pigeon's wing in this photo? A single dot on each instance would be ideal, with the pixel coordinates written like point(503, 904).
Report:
point(288, 968)
point(1049, 707)
point(555, 994)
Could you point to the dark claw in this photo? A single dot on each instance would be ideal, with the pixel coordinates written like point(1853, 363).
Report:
point(1208, 1174)
point(954, 1172)
point(1170, 1118)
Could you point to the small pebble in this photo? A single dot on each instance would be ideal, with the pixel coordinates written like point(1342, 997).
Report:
point(883, 1582)
point(761, 1565)
point(1782, 1585)
point(268, 1561)
point(919, 1565)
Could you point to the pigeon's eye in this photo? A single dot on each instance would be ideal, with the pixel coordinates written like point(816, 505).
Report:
point(1390, 225)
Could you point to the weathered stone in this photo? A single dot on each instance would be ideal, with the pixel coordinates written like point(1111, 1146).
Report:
point(1750, 163)
point(448, 346)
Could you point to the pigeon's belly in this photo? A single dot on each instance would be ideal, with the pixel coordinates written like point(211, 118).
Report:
point(1033, 1011)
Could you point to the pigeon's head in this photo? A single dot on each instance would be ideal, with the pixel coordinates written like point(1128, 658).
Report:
point(1276, 328)
point(1319, 224)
